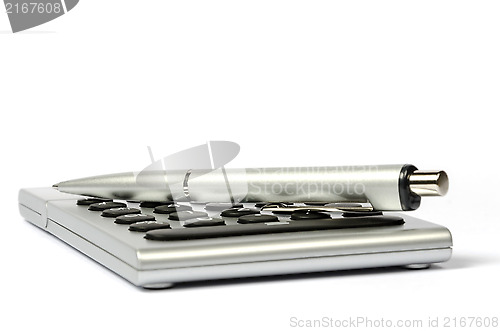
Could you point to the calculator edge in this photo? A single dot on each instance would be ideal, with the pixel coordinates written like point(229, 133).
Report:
point(162, 277)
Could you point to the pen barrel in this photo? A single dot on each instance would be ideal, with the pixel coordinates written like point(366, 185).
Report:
point(143, 186)
point(385, 187)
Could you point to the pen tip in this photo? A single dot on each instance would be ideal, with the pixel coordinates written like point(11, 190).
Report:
point(55, 185)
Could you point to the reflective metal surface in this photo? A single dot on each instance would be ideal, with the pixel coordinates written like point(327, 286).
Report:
point(378, 185)
point(149, 263)
point(429, 183)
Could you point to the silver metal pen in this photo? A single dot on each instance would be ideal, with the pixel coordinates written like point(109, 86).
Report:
point(385, 187)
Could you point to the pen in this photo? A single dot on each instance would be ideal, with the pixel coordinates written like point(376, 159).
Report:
point(385, 187)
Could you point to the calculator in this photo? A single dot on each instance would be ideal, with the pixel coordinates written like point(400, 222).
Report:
point(159, 244)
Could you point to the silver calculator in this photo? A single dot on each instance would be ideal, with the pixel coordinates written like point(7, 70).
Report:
point(159, 244)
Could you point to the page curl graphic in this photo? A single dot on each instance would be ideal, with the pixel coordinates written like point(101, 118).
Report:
point(26, 14)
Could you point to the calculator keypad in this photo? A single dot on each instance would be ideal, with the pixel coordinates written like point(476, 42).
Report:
point(101, 206)
point(89, 201)
point(115, 212)
point(257, 218)
point(186, 215)
point(180, 222)
point(237, 212)
point(309, 215)
point(172, 208)
point(148, 225)
point(204, 221)
point(134, 218)
point(220, 206)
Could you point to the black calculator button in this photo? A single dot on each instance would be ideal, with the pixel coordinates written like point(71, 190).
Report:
point(261, 204)
point(115, 212)
point(100, 206)
point(309, 215)
point(89, 201)
point(204, 221)
point(219, 206)
point(147, 226)
point(314, 203)
point(267, 228)
point(134, 218)
point(259, 218)
point(361, 213)
point(172, 208)
point(273, 204)
point(186, 215)
point(153, 204)
point(237, 212)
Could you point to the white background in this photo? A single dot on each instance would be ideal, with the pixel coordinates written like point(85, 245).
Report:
point(294, 83)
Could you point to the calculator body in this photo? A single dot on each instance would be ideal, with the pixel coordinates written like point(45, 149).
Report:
point(160, 264)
